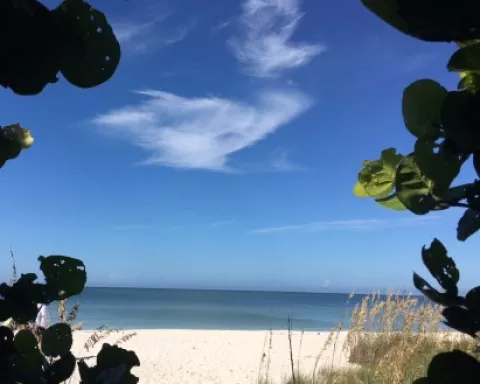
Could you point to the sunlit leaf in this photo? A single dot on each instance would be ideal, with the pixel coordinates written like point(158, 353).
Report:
point(391, 202)
point(441, 266)
point(359, 190)
point(465, 59)
point(378, 177)
point(422, 105)
point(468, 224)
point(470, 81)
point(413, 188)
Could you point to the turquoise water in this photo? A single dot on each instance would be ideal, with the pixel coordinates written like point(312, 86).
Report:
point(129, 308)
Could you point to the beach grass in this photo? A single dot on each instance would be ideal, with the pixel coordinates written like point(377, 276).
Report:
point(391, 339)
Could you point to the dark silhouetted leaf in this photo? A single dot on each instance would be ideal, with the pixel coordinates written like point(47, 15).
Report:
point(66, 274)
point(422, 105)
point(378, 177)
point(441, 266)
point(468, 224)
point(460, 120)
point(472, 299)
point(112, 361)
point(61, 369)
point(27, 363)
point(440, 298)
point(465, 59)
point(455, 367)
point(95, 55)
point(413, 188)
point(462, 320)
point(427, 20)
point(476, 162)
point(57, 340)
point(441, 167)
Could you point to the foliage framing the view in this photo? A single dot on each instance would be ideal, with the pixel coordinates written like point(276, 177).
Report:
point(446, 126)
point(37, 44)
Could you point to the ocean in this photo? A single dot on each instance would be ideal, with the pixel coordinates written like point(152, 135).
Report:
point(139, 308)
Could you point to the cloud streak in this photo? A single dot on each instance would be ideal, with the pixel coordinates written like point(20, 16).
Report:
point(348, 225)
point(265, 47)
point(200, 133)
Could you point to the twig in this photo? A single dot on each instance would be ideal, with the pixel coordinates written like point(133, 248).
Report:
point(291, 348)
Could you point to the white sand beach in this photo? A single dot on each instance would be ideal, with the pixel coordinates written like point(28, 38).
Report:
point(220, 357)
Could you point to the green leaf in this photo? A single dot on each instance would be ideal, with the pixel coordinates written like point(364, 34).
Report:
point(359, 190)
point(94, 53)
point(378, 177)
point(468, 224)
point(465, 59)
point(442, 267)
point(441, 167)
point(470, 82)
point(421, 106)
point(57, 340)
point(413, 188)
point(66, 274)
point(391, 202)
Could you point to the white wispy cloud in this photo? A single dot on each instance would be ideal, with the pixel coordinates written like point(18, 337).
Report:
point(200, 133)
point(180, 33)
point(281, 162)
point(266, 48)
point(138, 35)
point(349, 225)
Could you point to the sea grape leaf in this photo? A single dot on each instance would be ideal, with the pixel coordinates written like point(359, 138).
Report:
point(66, 274)
point(95, 52)
point(441, 167)
point(465, 59)
point(377, 177)
point(413, 188)
point(391, 202)
point(438, 297)
point(421, 106)
point(425, 20)
point(468, 224)
point(57, 340)
point(441, 266)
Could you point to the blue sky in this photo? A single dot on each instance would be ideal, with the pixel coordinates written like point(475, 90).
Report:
point(223, 152)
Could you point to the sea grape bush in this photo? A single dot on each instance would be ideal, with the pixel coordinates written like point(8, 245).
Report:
point(446, 127)
point(37, 44)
